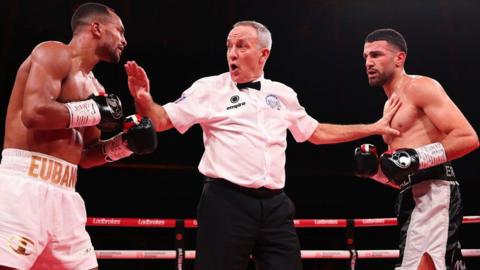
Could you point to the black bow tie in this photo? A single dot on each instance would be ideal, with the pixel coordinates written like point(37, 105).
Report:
point(254, 85)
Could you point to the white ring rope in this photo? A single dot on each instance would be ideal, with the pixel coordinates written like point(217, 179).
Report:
point(306, 254)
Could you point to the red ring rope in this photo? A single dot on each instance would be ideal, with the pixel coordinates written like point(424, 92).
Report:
point(299, 223)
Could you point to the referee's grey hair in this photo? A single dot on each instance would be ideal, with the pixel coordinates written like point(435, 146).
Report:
point(264, 35)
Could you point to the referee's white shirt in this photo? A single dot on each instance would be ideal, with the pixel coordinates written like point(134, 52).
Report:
point(244, 131)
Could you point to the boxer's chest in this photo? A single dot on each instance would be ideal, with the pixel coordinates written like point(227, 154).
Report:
point(414, 125)
point(79, 86)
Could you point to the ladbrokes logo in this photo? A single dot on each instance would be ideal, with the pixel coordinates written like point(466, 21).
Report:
point(21, 245)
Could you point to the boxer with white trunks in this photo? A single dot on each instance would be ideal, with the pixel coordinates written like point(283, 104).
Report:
point(55, 116)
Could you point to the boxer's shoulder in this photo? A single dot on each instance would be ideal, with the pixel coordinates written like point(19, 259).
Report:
point(421, 83)
point(54, 56)
point(52, 48)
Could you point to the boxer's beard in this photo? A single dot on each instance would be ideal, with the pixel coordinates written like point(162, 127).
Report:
point(378, 81)
point(114, 57)
point(109, 54)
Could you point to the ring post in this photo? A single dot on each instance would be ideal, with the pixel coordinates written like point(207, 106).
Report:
point(179, 243)
point(349, 235)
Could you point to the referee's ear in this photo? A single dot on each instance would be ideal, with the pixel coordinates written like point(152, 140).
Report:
point(264, 54)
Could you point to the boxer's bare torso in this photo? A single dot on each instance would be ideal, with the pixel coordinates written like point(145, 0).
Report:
point(416, 128)
point(50, 76)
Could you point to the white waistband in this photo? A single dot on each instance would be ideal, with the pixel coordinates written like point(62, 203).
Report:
point(40, 166)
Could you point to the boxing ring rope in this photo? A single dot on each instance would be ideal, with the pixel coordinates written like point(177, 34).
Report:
point(180, 254)
point(306, 254)
point(299, 223)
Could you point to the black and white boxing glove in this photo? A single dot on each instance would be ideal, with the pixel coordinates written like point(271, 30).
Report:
point(104, 111)
point(366, 160)
point(398, 164)
point(366, 163)
point(138, 137)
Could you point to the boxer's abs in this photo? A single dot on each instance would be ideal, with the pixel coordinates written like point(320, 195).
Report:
point(416, 129)
point(64, 144)
point(414, 138)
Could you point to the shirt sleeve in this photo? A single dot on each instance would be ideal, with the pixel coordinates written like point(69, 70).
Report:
point(301, 125)
point(191, 108)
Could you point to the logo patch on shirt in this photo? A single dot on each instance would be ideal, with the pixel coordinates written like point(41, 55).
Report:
point(273, 102)
point(235, 100)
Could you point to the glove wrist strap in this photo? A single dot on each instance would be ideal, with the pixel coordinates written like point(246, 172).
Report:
point(83, 113)
point(115, 148)
point(431, 155)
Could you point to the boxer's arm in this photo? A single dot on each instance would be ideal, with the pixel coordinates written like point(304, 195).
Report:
point(456, 136)
point(431, 98)
point(333, 133)
point(50, 64)
point(139, 86)
point(92, 154)
point(138, 137)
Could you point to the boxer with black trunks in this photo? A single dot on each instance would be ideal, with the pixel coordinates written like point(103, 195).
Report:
point(433, 132)
point(55, 116)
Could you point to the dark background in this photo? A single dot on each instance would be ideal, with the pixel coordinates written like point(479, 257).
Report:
point(317, 50)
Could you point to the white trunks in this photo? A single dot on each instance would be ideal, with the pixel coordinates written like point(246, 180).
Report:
point(429, 217)
point(42, 220)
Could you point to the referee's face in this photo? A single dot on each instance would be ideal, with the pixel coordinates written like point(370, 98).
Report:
point(244, 56)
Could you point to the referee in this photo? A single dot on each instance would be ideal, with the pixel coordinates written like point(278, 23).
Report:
point(243, 211)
